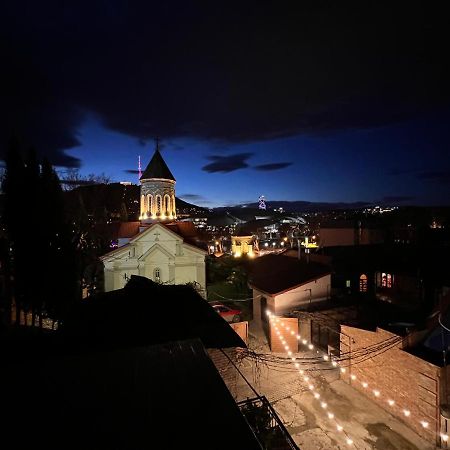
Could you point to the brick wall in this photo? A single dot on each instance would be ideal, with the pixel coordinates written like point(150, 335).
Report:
point(275, 343)
point(411, 382)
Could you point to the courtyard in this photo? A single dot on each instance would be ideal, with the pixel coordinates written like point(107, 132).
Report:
point(362, 425)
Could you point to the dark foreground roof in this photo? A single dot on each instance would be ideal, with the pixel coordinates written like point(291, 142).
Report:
point(157, 168)
point(277, 273)
point(147, 313)
point(165, 397)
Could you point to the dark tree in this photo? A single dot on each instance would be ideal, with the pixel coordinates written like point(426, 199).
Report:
point(13, 221)
point(42, 258)
point(61, 282)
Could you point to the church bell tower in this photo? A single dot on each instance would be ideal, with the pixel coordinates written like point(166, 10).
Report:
point(157, 191)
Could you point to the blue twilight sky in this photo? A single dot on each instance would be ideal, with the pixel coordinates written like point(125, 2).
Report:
point(403, 163)
point(316, 101)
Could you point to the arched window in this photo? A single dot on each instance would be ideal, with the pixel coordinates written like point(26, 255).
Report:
point(166, 204)
point(150, 203)
point(158, 204)
point(174, 212)
point(157, 275)
point(363, 283)
point(143, 208)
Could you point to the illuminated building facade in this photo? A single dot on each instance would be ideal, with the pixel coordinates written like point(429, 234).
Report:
point(157, 191)
point(242, 245)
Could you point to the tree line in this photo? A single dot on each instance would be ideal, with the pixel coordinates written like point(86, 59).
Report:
point(40, 260)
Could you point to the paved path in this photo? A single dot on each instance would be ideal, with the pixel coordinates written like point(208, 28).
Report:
point(369, 426)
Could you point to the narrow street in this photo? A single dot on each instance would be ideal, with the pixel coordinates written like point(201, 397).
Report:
point(363, 422)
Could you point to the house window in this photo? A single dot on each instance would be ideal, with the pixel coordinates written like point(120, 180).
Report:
point(347, 283)
point(386, 280)
point(363, 283)
point(157, 275)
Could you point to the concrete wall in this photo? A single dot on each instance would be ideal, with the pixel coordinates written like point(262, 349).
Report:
point(291, 300)
point(300, 296)
point(411, 382)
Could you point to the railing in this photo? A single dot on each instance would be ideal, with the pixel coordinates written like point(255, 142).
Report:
point(266, 425)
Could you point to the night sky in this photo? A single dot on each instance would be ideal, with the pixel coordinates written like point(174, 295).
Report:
point(324, 101)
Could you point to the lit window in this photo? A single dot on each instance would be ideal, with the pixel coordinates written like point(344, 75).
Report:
point(363, 283)
point(386, 280)
point(389, 280)
point(347, 283)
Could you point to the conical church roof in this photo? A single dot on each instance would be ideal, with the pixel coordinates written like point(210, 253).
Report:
point(157, 168)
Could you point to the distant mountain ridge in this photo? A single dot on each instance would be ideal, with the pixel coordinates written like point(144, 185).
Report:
point(304, 206)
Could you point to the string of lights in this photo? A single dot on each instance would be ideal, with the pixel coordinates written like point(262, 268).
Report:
point(357, 356)
point(329, 414)
point(335, 362)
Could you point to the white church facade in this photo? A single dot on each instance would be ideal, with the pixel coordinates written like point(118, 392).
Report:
point(157, 251)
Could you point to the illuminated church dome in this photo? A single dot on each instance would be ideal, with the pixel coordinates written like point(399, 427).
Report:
point(157, 191)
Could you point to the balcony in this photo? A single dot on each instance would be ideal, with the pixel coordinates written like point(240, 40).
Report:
point(266, 425)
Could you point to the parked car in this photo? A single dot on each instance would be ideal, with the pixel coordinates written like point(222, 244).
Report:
point(229, 314)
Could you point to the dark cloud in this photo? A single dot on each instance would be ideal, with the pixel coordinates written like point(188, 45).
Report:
point(195, 198)
point(439, 176)
point(191, 197)
point(397, 199)
point(175, 146)
point(273, 166)
point(227, 163)
point(400, 171)
point(178, 69)
point(132, 171)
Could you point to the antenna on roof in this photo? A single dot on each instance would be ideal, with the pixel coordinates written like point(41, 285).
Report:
point(139, 166)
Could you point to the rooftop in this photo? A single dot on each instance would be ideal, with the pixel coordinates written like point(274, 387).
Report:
point(164, 396)
point(157, 168)
point(278, 273)
point(147, 313)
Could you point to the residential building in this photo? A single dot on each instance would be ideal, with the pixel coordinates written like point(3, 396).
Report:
point(282, 284)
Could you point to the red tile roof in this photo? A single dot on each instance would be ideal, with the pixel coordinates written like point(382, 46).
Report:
point(188, 232)
point(128, 229)
point(275, 274)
